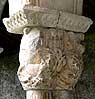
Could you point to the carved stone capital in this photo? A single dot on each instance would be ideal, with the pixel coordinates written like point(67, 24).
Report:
point(2, 3)
point(51, 59)
point(51, 51)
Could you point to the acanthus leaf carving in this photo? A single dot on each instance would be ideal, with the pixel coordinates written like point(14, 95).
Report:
point(55, 65)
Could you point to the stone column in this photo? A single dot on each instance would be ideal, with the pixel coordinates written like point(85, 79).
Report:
point(51, 51)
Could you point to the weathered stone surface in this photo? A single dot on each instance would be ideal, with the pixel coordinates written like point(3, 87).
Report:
point(85, 88)
point(72, 22)
point(32, 18)
point(36, 17)
point(50, 59)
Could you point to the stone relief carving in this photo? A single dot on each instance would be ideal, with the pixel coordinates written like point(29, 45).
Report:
point(53, 59)
point(46, 18)
point(51, 51)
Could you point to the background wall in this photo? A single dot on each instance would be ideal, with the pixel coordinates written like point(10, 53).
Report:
point(10, 87)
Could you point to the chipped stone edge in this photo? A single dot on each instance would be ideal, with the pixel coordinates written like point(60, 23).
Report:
point(75, 23)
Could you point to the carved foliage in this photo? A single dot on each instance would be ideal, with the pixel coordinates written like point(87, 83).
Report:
point(54, 59)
